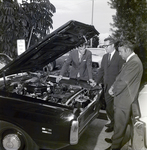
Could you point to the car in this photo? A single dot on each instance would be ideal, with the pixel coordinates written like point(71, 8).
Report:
point(101, 46)
point(35, 111)
point(4, 60)
point(139, 120)
point(97, 55)
point(60, 61)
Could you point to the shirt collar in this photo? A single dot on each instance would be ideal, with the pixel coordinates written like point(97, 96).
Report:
point(130, 56)
point(112, 53)
point(81, 54)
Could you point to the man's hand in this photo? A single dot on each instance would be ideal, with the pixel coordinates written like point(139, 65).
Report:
point(58, 78)
point(92, 82)
point(111, 91)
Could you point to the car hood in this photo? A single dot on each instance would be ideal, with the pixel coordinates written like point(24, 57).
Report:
point(62, 40)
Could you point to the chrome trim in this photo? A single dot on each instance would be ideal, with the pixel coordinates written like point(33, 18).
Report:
point(90, 105)
point(67, 103)
point(46, 130)
point(74, 132)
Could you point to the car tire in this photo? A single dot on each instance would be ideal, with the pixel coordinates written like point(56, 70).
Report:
point(95, 65)
point(51, 66)
point(12, 137)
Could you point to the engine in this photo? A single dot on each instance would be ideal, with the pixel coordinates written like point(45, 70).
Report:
point(40, 86)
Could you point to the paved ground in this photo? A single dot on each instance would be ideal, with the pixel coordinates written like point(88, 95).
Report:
point(91, 140)
point(94, 136)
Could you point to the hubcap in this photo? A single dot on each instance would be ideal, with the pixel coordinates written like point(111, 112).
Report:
point(11, 142)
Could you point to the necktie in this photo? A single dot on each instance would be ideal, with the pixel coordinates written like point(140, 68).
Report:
point(123, 65)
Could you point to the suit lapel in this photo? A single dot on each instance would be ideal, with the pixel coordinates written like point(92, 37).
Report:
point(126, 63)
point(108, 63)
point(77, 57)
point(83, 57)
point(112, 58)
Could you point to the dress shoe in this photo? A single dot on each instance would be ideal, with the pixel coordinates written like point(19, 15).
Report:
point(110, 129)
point(108, 140)
point(109, 148)
point(108, 125)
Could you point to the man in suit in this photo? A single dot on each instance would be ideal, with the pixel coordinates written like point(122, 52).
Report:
point(125, 89)
point(81, 65)
point(110, 67)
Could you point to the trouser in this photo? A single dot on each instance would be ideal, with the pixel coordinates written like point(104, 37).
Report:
point(121, 129)
point(109, 106)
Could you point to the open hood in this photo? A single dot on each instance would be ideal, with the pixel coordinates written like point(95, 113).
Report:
point(59, 42)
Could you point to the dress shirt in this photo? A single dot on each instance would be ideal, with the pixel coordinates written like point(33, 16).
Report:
point(130, 56)
point(80, 56)
point(111, 54)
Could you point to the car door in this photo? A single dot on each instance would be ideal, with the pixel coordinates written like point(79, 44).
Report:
point(139, 121)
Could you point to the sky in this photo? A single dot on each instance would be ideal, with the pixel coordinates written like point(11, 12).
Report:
point(81, 10)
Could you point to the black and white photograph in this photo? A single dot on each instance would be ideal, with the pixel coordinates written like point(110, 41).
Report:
point(73, 74)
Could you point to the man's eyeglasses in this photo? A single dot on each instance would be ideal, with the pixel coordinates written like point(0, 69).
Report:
point(107, 45)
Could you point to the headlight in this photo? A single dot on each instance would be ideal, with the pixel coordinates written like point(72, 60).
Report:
point(11, 142)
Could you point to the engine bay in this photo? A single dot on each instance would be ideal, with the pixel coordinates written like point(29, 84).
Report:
point(40, 85)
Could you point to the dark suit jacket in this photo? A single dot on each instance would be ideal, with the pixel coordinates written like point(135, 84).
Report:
point(127, 83)
point(108, 73)
point(84, 67)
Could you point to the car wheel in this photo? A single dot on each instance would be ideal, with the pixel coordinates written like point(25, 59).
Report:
point(13, 138)
point(95, 65)
point(51, 66)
